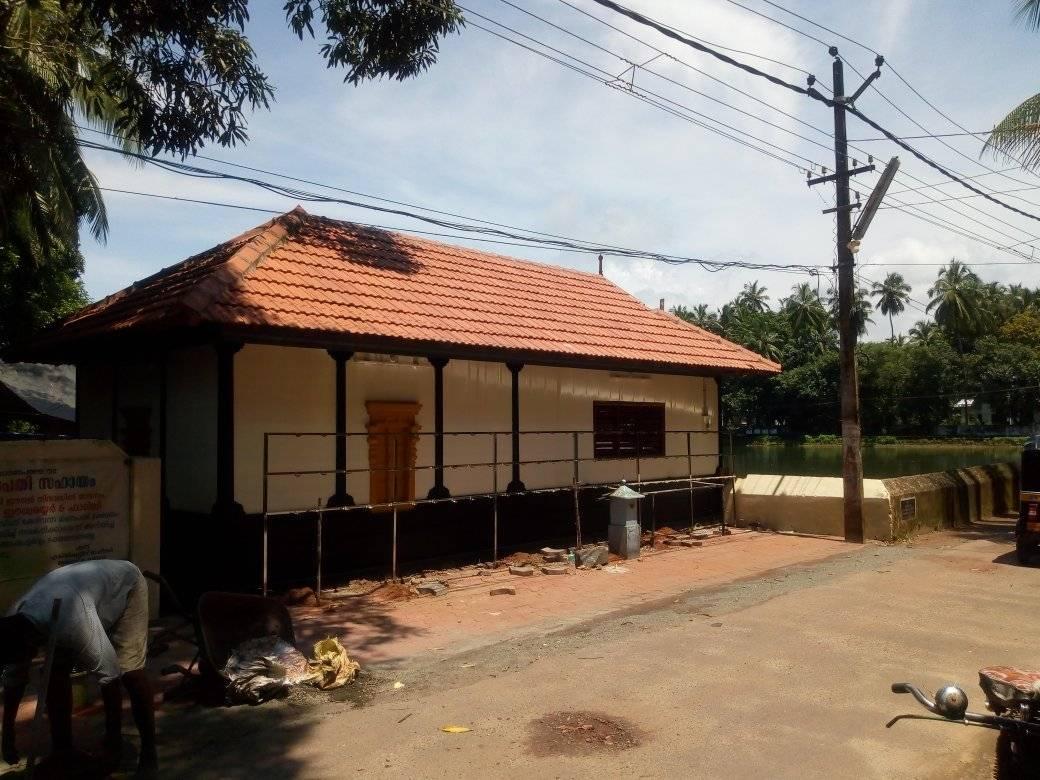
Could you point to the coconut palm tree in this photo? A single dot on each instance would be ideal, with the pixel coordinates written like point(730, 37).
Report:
point(891, 295)
point(925, 332)
point(699, 315)
point(756, 332)
point(753, 297)
point(1017, 135)
point(861, 309)
point(805, 311)
point(957, 300)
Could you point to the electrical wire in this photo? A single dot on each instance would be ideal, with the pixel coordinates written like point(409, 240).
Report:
point(809, 91)
point(552, 243)
point(1031, 237)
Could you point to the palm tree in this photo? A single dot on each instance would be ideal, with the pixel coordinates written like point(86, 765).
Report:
point(699, 315)
point(753, 298)
point(805, 311)
point(756, 332)
point(861, 308)
point(956, 298)
point(1017, 136)
point(924, 332)
point(891, 295)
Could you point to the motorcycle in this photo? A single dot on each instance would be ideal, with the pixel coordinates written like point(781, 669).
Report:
point(1013, 698)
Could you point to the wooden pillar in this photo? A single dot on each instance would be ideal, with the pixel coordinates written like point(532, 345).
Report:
point(226, 506)
point(516, 485)
point(340, 496)
point(164, 360)
point(438, 490)
point(114, 423)
point(79, 401)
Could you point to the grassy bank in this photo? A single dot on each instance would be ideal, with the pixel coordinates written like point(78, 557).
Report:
point(832, 440)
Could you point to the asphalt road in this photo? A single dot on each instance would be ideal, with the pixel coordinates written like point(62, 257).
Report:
point(783, 676)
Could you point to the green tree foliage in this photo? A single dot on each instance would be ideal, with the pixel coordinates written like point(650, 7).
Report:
point(164, 77)
point(985, 345)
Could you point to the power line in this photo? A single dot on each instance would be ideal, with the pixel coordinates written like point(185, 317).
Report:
point(809, 91)
point(653, 48)
point(552, 243)
point(631, 91)
point(810, 269)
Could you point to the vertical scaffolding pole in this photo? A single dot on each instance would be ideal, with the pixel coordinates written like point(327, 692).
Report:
point(689, 466)
point(577, 503)
point(321, 515)
point(393, 499)
point(639, 481)
point(494, 498)
point(393, 560)
point(263, 587)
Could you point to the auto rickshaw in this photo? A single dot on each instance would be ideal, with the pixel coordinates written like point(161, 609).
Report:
point(1027, 530)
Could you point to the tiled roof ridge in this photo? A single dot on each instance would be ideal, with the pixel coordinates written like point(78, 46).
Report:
point(480, 253)
point(243, 260)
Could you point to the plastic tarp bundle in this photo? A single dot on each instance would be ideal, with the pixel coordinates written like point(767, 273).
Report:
point(265, 668)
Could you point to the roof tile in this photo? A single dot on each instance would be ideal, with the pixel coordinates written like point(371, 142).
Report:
point(309, 273)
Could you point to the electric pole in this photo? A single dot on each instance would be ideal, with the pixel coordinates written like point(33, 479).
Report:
point(852, 461)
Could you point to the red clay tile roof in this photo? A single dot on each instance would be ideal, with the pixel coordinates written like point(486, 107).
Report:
point(306, 274)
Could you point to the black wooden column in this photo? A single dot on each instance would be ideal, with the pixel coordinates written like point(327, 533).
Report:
point(341, 497)
point(516, 485)
point(114, 424)
point(164, 361)
point(226, 506)
point(438, 490)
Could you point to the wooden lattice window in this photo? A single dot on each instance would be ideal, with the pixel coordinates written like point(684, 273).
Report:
point(392, 445)
point(622, 428)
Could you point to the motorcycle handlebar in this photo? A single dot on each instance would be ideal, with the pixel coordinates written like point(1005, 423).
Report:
point(917, 693)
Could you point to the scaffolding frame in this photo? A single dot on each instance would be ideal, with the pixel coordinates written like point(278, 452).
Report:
point(695, 482)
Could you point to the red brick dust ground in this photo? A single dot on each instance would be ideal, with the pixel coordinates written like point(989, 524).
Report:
point(374, 629)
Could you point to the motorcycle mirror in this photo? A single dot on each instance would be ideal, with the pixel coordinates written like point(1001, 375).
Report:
point(951, 702)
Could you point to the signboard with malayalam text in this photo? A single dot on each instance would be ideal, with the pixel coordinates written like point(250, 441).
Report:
point(60, 502)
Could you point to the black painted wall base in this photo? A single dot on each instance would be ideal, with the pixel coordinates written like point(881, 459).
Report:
point(201, 554)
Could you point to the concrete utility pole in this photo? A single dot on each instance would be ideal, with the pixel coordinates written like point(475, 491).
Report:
point(852, 461)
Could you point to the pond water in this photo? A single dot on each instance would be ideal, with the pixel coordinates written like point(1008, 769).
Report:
point(878, 462)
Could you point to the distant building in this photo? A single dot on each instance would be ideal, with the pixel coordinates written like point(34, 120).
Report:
point(419, 371)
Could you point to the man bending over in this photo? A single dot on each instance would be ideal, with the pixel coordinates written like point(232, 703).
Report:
point(102, 628)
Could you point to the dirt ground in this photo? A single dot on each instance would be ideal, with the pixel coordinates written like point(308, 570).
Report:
point(783, 675)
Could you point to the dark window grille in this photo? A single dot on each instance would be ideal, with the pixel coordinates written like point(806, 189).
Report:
point(621, 428)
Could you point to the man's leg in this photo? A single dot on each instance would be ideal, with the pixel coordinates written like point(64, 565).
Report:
point(59, 707)
point(142, 704)
point(13, 693)
point(112, 696)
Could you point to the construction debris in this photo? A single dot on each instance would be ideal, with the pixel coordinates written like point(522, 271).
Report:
point(590, 557)
point(521, 571)
point(332, 666)
point(503, 590)
point(432, 588)
point(555, 569)
point(553, 555)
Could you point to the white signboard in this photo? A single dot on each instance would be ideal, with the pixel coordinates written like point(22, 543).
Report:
point(60, 502)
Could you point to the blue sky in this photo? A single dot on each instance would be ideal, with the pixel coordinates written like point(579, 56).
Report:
point(497, 133)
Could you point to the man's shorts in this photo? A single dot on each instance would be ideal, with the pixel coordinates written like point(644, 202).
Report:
point(129, 636)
